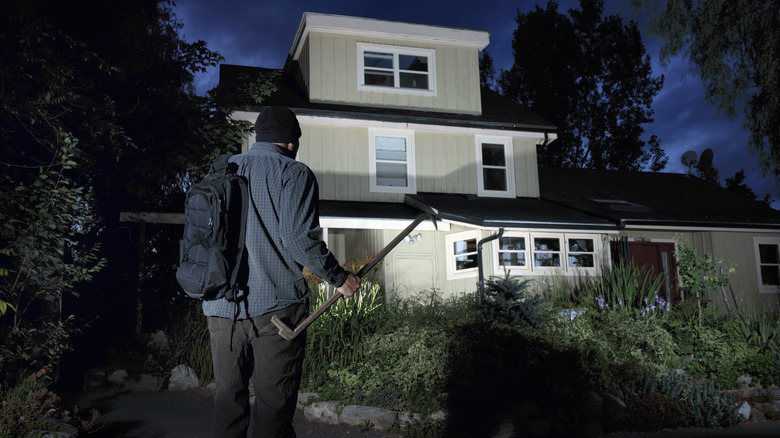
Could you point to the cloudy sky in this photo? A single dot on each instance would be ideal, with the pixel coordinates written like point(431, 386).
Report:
point(260, 33)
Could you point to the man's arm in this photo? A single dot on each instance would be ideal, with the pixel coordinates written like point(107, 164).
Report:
point(301, 231)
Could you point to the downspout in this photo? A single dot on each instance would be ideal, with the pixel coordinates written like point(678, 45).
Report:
point(481, 284)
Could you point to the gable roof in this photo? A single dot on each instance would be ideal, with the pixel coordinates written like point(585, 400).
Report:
point(647, 198)
point(498, 112)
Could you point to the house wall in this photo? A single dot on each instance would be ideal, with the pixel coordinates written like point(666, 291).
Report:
point(329, 65)
point(445, 163)
point(734, 248)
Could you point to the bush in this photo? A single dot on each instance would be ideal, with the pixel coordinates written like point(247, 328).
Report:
point(26, 407)
point(505, 301)
point(698, 404)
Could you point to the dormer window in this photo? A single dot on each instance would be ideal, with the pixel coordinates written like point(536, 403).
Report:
point(396, 69)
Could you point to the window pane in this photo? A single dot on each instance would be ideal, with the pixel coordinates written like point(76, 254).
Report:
point(581, 245)
point(413, 63)
point(494, 179)
point(770, 275)
point(581, 261)
point(547, 259)
point(391, 175)
point(465, 262)
point(377, 59)
point(379, 78)
point(768, 253)
point(493, 155)
point(390, 148)
point(510, 259)
point(465, 246)
point(547, 244)
point(512, 243)
point(414, 80)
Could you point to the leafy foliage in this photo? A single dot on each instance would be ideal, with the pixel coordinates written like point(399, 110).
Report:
point(700, 404)
point(699, 275)
point(590, 76)
point(734, 50)
point(505, 300)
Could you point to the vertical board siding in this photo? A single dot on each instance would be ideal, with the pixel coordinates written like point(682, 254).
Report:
point(332, 75)
point(526, 169)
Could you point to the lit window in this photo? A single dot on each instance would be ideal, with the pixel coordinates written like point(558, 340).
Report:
point(494, 164)
point(581, 253)
point(511, 253)
point(547, 252)
point(768, 258)
point(391, 156)
point(462, 254)
point(398, 69)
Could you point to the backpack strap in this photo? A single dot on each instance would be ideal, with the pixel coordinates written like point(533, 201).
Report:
point(220, 165)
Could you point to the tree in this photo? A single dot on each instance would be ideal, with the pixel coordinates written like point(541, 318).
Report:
point(734, 50)
point(590, 76)
point(736, 184)
point(99, 116)
point(487, 72)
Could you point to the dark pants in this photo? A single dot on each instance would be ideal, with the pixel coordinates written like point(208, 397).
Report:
point(278, 365)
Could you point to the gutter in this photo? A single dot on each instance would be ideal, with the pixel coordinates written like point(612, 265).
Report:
point(481, 284)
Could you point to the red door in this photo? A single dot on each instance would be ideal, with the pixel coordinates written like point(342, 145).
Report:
point(658, 257)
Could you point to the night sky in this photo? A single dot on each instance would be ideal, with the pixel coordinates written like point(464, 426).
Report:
point(260, 32)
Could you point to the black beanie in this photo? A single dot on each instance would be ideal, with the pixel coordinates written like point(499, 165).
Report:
point(276, 124)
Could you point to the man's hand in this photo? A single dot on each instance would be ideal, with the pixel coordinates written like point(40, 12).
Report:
point(350, 286)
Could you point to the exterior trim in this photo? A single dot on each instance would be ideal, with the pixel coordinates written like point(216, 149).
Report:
point(399, 31)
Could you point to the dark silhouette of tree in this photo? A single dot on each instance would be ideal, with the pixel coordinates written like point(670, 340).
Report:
point(591, 77)
point(101, 94)
point(736, 183)
point(734, 50)
point(487, 72)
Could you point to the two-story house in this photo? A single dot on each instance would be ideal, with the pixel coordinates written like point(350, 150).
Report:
point(393, 115)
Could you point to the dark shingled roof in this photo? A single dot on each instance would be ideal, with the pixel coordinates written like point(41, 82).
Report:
point(508, 212)
point(498, 112)
point(653, 198)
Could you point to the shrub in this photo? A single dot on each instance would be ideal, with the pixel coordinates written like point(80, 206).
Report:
point(698, 404)
point(190, 342)
point(626, 287)
point(504, 300)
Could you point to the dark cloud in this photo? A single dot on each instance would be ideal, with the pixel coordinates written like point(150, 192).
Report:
point(260, 33)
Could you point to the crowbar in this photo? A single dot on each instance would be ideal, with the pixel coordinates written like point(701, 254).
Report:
point(290, 334)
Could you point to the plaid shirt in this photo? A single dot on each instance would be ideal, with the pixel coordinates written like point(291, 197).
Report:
point(283, 233)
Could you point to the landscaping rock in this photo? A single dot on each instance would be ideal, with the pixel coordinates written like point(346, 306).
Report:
point(326, 412)
point(744, 410)
point(304, 397)
point(407, 418)
point(183, 378)
point(159, 341)
point(117, 377)
point(380, 419)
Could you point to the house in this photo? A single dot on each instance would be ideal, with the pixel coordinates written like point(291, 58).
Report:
point(393, 117)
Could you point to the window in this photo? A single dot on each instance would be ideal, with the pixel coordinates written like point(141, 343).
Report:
point(391, 157)
point(527, 253)
point(547, 252)
point(768, 261)
point(462, 254)
point(581, 252)
point(512, 253)
point(494, 165)
point(397, 69)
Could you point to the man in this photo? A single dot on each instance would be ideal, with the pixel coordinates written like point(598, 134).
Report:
point(283, 235)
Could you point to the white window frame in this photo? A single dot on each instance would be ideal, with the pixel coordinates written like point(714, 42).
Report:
point(516, 270)
point(563, 240)
point(408, 135)
point(596, 252)
point(450, 239)
point(510, 191)
point(765, 289)
point(396, 51)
